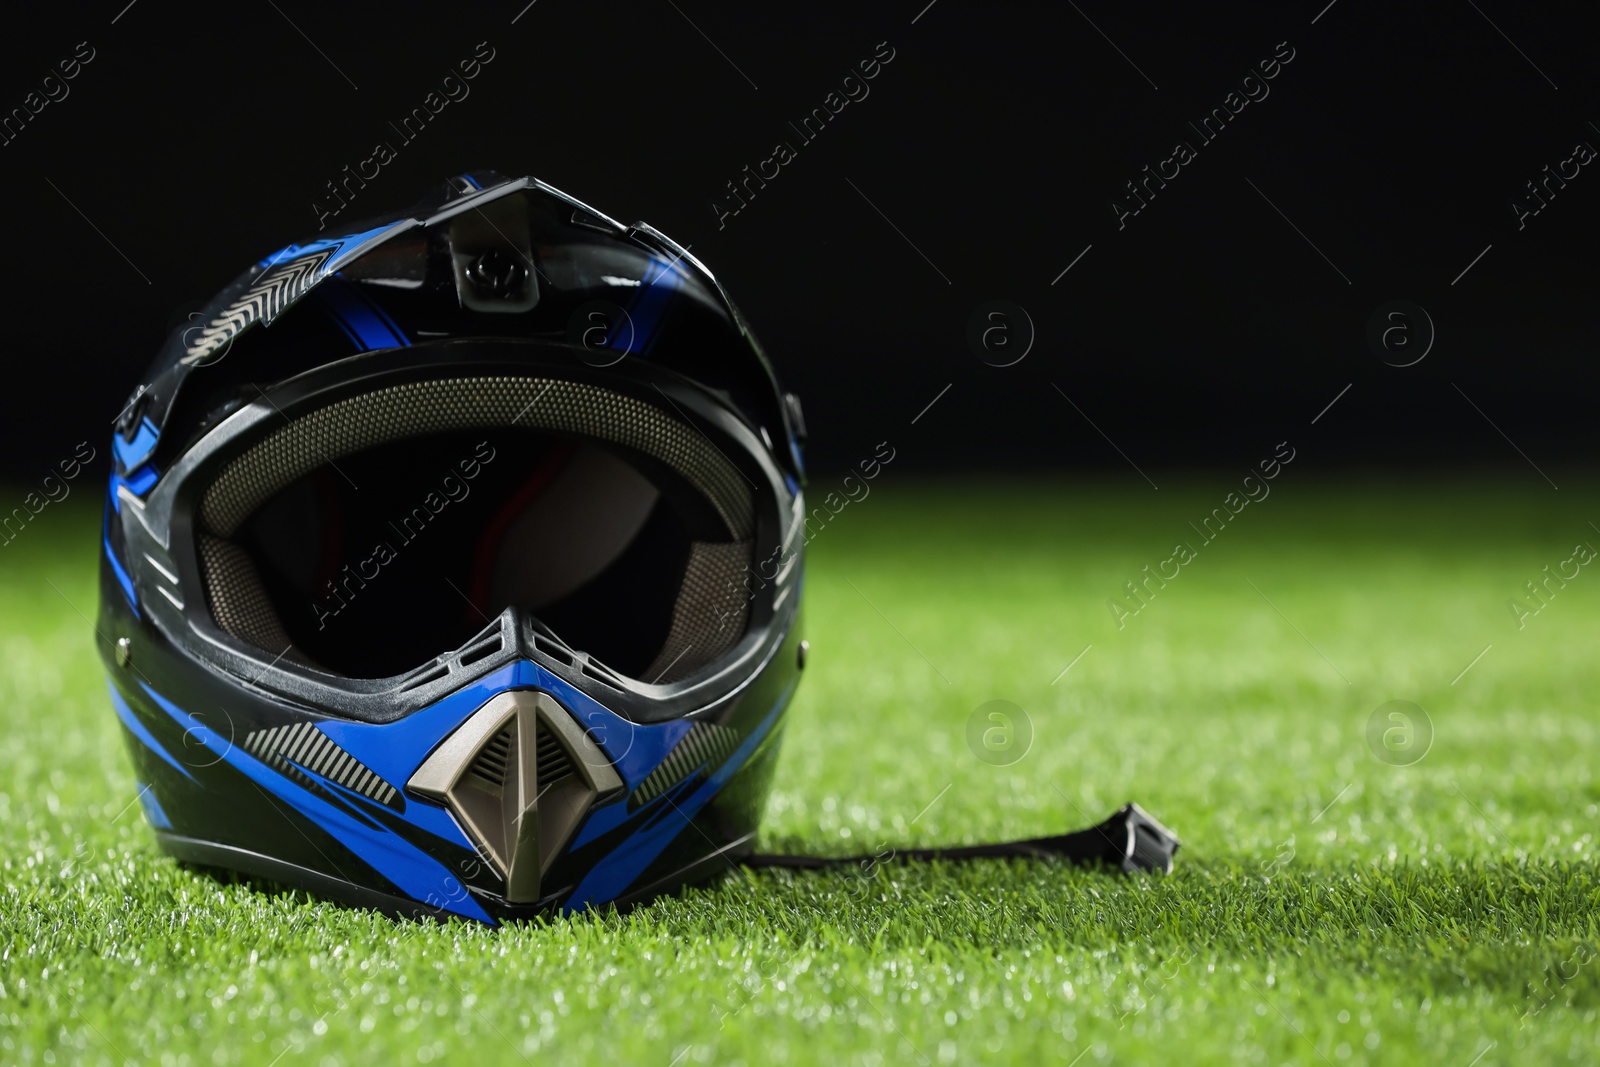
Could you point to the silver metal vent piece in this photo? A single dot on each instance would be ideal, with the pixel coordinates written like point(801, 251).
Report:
point(519, 775)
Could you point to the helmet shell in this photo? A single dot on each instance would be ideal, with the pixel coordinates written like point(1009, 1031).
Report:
point(511, 772)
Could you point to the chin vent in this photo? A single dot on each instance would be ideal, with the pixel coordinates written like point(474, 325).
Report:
point(519, 775)
point(488, 771)
point(553, 762)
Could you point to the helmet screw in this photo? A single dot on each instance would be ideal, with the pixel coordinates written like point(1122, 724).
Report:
point(800, 655)
point(496, 272)
point(124, 652)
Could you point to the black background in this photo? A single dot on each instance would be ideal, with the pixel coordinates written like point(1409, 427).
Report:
point(1202, 333)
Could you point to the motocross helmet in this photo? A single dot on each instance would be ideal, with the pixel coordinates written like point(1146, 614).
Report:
point(452, 565)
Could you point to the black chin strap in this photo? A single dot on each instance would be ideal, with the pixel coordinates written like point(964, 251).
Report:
point(1129, 840)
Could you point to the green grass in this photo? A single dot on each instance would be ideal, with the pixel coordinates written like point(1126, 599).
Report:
point(1327, 906)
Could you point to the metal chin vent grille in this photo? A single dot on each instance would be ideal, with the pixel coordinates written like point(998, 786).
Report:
point(705, 745)
point(519, 775)
point(288, 749)
point(554, 764)
point(710, 613)
point(488, 770)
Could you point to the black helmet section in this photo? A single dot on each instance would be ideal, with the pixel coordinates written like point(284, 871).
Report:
point(484, 258)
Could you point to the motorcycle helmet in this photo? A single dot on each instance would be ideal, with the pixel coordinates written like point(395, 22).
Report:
point(452, 565)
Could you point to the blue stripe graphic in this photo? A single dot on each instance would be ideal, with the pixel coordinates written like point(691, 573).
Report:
point(362, 321)
point(138, 483)
point(650, 302)
point(609, 878)
point(138, 729)
point(132, 453)
point(154, 813)
point(416, 874)
point(296, 251)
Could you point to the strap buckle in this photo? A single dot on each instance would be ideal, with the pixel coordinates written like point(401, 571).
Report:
point(1134, 841)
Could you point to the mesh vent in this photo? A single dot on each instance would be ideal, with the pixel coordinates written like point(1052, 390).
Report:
point(361, 422)
point(238, 601)
point(710, 614)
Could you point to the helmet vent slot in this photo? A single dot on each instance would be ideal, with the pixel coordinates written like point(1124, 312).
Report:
point(488, 771)
point(553, 762)
point(425, 677)
point(554, 649)
point(600, 674)
point(480, 651)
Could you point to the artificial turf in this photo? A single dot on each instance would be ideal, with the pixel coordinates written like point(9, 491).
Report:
point(1327, 906)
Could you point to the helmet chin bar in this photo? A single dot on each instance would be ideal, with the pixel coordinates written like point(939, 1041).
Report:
point(519, 775)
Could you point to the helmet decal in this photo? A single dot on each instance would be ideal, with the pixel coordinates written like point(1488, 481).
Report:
point(282, 279)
